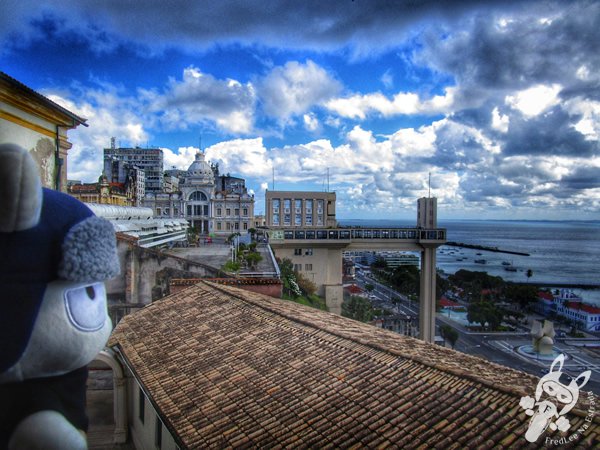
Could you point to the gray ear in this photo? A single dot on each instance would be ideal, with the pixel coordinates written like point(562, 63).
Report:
point(20, 189)
point(89, 252)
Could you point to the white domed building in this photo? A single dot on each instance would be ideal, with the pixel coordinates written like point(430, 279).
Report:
point(197, 190)
point(211, 203)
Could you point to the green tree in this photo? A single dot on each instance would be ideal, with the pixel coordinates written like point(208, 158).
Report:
point(357, 308)
point(449, 334)
point(253, 258)
point(308, 287)
point(483, 312)
point(369, 287)
point(232, 266)
point(524, 296)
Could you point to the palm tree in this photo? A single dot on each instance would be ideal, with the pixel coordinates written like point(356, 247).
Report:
point(529, 274)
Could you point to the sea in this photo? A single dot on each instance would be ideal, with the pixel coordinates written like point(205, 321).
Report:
point(560, 252)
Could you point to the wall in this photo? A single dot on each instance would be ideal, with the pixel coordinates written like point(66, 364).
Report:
point(145, 273)
point(143, 433)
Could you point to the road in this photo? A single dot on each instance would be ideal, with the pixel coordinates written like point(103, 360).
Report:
point(494, 347)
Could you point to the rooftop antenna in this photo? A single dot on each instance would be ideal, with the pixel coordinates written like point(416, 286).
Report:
point(429, 184)
point(112, 142)
point(273, 177)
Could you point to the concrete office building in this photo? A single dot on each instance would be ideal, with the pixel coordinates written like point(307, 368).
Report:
point(300, 209)
point(150, 160)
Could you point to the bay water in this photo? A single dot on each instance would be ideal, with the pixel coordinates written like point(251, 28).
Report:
point(560, 252)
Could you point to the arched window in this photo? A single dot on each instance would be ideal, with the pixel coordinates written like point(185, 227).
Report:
point(198, 196)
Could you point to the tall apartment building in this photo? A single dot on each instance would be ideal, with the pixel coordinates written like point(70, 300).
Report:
point(150, 160)
point(300, 209)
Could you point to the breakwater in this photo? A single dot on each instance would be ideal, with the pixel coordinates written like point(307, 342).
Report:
point(485, 248)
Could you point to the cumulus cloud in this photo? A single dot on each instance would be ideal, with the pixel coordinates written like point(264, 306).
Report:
point(199, 97)
point(109, 113)
point(292, 89)
point(358, 106)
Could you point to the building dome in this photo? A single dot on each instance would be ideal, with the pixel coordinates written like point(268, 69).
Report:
point(200, 168)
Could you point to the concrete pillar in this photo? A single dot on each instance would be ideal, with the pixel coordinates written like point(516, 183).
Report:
point(334, 291)
point(427, 295)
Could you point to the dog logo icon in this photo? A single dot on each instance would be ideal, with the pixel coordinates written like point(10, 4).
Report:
point(553, 400)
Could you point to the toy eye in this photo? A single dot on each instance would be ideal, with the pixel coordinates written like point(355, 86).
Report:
point(85, 308)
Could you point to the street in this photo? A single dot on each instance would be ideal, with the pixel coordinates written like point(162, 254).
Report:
point(495, 347)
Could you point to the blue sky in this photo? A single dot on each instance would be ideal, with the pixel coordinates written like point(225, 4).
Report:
point(499, 101)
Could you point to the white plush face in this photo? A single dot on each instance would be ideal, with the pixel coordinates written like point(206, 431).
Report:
point(71, 328)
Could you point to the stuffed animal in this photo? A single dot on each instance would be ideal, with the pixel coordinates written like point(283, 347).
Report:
point(54, 256)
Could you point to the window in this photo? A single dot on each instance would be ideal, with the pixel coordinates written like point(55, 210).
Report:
point(297, 267)
point(298, 206)
point(206, 210)
point(218, 225)
point(308, 252)
point(307, 267)
point(297, 251)
point(276, 205)
point(141, 404)
point(228, 212)
point(245, 225)
point(245, 211)
point(286, 219)
point(219, 212)
point(158, 433)
point(297, 219)
point(275, 219)
point(308, 219)
point(309, 206)
point(198, 196)
point(236, 212)
point(287, 205)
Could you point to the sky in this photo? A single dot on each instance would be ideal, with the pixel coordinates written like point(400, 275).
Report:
point(493, 107)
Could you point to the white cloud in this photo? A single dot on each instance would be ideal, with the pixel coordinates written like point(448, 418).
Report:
point(534, 101)
point(311, 122)
point(294, 88)
point(247, 157)
point(360, 106)
point(200, 97)
point(182, 159)
point(388, 79)
point(500, 122)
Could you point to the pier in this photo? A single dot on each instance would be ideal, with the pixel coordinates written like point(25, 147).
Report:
point(486, 248)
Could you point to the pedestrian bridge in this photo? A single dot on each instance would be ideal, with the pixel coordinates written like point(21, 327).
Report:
point(360, 238)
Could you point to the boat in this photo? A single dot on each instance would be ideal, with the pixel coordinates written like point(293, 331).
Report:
point(480, 261)
point(510, 269)
point(505, 263)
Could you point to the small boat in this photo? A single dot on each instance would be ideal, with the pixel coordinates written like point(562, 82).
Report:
point(510, 269)
point(480, 261)
point(505, 263)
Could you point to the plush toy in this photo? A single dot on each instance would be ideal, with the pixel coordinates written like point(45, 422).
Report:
point(55, 255)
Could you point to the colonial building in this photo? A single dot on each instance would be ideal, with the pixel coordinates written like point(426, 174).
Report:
point(103, 192)
point(212, 204)
point(39, 125)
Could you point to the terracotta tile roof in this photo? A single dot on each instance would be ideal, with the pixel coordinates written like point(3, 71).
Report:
point(231, 368)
